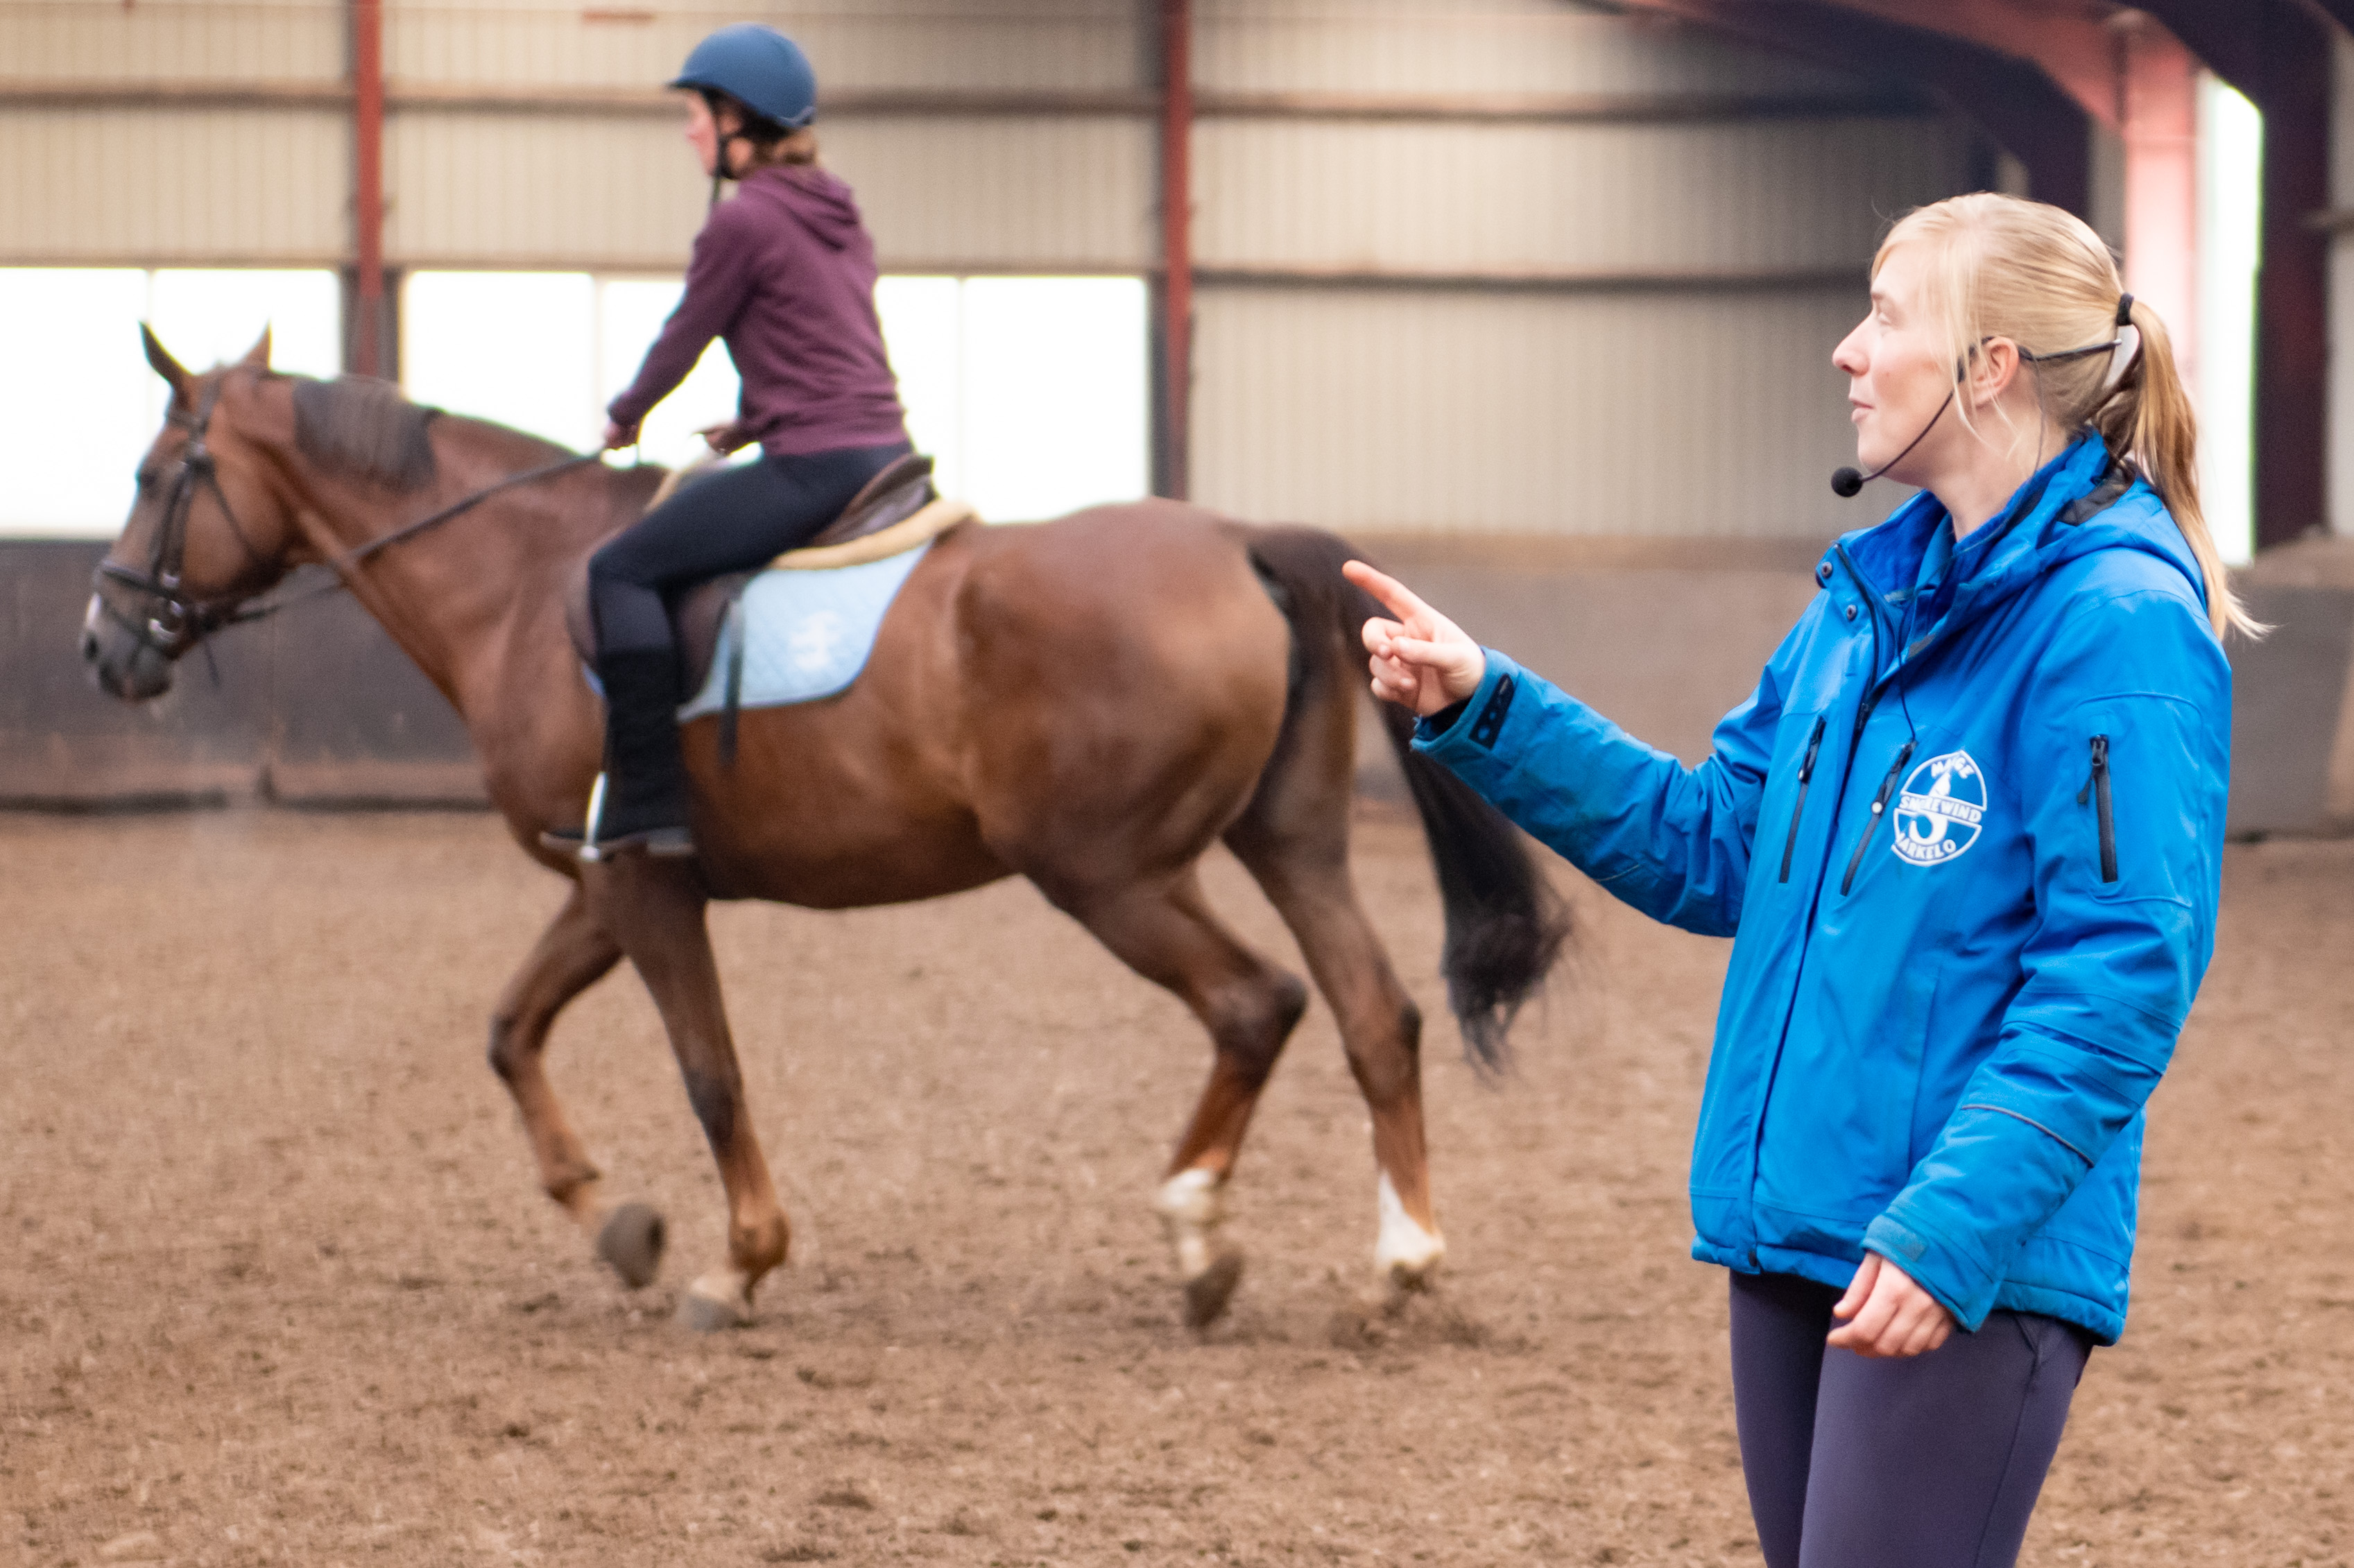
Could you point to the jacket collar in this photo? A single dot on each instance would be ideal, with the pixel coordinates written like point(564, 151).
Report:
point(2031, 536)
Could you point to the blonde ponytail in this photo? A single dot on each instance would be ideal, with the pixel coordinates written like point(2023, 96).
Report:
point(2148, 420)
point(2005, 267)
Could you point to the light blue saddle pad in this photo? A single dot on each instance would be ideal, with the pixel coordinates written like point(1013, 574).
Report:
point(806, 635)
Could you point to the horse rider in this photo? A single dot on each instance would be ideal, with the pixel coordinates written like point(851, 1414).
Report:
point(784, 273)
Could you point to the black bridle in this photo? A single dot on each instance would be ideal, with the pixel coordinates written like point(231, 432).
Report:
point(178, 620)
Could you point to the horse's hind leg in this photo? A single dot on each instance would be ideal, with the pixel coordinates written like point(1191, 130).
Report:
point(1381, 1028)
point(1294, 838)
point(654, 908)
point(571, 955)
point(1165, 932)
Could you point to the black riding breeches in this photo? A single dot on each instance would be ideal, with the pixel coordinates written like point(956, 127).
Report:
point(730, 521)
point(1928, 1461)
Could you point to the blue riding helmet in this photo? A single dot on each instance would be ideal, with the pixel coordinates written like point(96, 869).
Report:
point(758, 67)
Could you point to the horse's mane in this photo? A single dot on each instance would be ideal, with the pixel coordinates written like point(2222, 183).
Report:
point(361, 426)
point(358, 425)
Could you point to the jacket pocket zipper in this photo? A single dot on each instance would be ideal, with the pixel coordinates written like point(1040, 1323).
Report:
point(2096, 789)
point(1879, 810)
point(1797, 808)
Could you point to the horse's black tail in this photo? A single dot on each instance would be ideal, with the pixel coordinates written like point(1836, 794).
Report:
point(1505, 924)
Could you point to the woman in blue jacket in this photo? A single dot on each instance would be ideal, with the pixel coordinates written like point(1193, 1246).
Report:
point(1966, 834)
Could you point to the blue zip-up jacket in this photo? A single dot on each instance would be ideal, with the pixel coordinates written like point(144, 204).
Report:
point(1966, 835)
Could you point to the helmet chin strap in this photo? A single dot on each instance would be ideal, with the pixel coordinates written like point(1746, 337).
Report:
point(719, 171)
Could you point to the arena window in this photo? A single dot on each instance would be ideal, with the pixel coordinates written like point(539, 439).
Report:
point(95, 406)
point(519, 348)
point(1030, 392)
point(1054, 411)
point(2231, 220)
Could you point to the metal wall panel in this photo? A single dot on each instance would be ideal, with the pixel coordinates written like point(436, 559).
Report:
point(590, 191)
point(1077, 194)
point(539, 190)
point(171, 40)
point(998, 44)
point(1478, 47)
point(1468, 197)
point(1595, 413)
point(162, 187)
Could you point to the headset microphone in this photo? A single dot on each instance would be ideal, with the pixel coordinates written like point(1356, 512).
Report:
point(1846, 481)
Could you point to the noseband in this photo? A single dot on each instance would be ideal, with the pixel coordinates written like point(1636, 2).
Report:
point(178, 620)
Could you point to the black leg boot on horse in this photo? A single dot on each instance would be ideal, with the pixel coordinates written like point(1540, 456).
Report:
point(642, 804)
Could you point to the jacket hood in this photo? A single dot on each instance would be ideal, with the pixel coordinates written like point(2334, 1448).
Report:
point(817, 199)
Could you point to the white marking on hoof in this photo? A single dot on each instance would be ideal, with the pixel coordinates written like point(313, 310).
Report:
point(1191, 1204)
point(720, 1299)
point(1406, 1254)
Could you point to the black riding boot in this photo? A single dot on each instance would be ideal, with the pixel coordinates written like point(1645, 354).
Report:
point(645, 800)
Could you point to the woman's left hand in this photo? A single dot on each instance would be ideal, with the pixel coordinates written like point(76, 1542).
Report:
point(1885, 1314)
point(617, 435)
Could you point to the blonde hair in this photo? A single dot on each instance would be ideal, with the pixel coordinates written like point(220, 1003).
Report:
point(1998, 266)
point(771, 145)
point(797, 149)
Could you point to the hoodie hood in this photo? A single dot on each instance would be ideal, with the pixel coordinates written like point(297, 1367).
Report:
point(2035, 534)
point(818, 200)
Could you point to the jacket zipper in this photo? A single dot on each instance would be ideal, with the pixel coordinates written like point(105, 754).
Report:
point(1879, 810)
point(1798, 807)
point(2097, 788)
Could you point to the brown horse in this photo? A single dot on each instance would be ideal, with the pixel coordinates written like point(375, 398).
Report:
point(1090, 703)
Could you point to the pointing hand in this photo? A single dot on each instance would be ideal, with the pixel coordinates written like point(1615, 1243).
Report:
point(1421, 660)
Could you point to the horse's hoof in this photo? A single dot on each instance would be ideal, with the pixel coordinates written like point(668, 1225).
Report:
point(631, 1241)
point(1403, 1280)
point(704, 1314)
point(1207, 1293)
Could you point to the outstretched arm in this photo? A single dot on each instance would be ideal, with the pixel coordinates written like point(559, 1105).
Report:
point(1672, 841)
point(718, 281)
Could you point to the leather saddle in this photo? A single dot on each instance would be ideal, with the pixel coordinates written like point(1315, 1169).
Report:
point(890, 498)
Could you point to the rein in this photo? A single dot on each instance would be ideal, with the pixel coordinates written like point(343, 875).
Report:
point(359, 552)
point(182, 622)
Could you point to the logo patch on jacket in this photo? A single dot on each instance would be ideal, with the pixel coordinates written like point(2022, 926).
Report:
point(1941, 811)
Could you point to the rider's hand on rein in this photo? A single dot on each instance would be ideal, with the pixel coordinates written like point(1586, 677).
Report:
point(1420, 660)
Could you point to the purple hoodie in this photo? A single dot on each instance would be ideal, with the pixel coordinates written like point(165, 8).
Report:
point(785, 273)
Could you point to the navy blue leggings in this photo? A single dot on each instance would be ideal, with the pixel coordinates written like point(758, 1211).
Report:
point(725, 522)
point(1932, 1461)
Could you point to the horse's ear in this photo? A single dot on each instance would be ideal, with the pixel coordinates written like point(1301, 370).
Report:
point(169, 368)
point(258, 355)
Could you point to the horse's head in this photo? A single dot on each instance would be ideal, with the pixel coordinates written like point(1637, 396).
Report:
point(207, 531)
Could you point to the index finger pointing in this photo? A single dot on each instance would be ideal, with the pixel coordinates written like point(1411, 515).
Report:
point(1399, 598)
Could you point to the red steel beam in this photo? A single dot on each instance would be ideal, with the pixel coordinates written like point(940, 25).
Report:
point(367, 350)
point(1177, 241)
point(2012, 100)
point(2069, 42)
point(2158, 114)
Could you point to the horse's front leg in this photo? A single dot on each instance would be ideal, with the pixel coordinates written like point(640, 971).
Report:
point(654, 910)
point(572, 954)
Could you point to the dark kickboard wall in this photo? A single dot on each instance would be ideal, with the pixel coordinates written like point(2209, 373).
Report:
point(318, 706)
point(315, 705)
